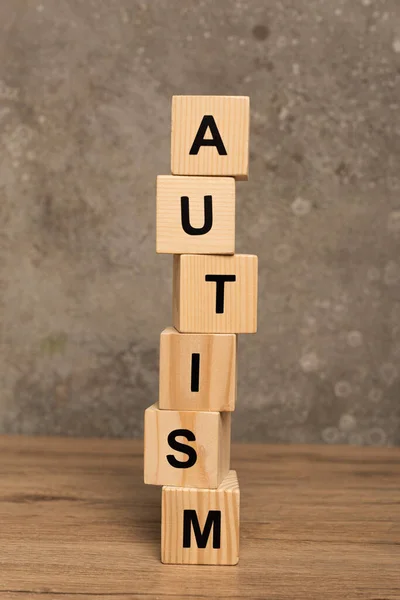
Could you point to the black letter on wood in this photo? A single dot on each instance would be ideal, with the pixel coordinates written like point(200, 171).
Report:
point(220, 281)
point(208, 122)
point(208, 216)
point(194, 384)
point(213, 518)
point(179, 447)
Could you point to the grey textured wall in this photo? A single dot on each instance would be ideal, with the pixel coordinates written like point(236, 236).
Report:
point(85, 95)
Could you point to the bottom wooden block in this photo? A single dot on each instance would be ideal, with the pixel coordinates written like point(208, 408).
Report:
point(201, 526)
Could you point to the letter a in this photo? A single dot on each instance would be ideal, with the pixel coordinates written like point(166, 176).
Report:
point(208, 122)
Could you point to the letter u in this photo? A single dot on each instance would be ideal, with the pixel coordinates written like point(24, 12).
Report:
point(208, 216)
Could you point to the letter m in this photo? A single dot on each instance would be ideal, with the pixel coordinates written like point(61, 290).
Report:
point(213, 519)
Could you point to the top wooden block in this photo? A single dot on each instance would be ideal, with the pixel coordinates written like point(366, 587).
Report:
point(210, 136)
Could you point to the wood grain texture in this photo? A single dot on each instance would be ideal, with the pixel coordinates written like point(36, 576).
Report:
point(316, 522)
point(225, 499)
point(171, 238)
point(232, 117)
point(194, 298)
point(212, 431)
point(216, 390)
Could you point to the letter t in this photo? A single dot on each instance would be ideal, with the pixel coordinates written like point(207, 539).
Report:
point(220, 281)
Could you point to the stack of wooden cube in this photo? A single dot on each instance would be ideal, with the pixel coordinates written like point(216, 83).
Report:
point(187, 433)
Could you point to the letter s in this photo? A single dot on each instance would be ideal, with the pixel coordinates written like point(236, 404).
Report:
point(179, 447)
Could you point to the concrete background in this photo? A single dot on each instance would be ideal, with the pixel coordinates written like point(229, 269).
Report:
point(85, 95)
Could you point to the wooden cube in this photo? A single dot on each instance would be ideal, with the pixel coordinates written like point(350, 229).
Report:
point(195, 215)
point(215, 294)
point(210, 135)
point(197, 371)
point(201, 527)
point(186, 448)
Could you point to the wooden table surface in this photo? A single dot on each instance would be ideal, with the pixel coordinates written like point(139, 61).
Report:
point(317, 522)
